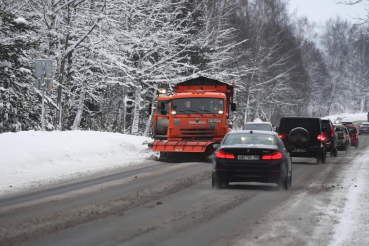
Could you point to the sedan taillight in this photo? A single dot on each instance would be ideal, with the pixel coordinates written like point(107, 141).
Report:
point(224, 155)
point(272, 156)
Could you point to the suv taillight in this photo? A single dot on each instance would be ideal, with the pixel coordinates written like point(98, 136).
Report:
point(272, 156)
point(224, 155)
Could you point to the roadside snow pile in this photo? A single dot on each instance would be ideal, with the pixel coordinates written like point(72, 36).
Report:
point(29, 159)
point(353, 117)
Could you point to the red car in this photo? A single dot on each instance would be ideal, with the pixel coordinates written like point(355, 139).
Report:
point(354, 135)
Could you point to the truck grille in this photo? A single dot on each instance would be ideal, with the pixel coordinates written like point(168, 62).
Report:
point(198, 132)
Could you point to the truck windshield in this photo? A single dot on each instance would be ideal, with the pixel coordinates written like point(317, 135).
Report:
point(198, 105)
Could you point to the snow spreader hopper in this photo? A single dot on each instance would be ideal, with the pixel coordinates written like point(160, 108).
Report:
point(199, 116)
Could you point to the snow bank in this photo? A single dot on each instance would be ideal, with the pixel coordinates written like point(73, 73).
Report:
point(354, 117)
point(37, 158)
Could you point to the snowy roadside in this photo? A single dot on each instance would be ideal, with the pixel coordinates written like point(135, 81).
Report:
point(33, 159)
point(354, 117)
point(353, 217)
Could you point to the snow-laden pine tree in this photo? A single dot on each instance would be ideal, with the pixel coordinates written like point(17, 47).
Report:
point(19, 100)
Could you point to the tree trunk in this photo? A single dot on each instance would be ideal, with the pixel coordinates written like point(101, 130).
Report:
point(136, 115)
point(124, 108)
point(81, 104)
point(68, 77)
point(149, 121)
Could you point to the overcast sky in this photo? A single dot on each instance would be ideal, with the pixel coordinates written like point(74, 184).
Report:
point(321, 10)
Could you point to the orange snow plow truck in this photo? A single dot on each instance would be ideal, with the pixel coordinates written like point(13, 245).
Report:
point(199, 113)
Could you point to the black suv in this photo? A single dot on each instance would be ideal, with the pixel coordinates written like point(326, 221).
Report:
point(304, 137)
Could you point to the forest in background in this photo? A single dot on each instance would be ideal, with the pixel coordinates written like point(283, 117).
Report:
point(111, 56)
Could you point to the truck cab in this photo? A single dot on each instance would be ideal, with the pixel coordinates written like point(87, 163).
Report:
point(199, 112)
point(198, 116)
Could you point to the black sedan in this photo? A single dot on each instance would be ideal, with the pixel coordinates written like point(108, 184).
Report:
point(251, 156)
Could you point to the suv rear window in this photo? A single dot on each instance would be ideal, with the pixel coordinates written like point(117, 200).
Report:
point(326, 124)
point(308, 124)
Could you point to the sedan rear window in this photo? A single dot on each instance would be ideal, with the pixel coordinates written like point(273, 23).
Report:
point(254, 138)
point(261, 127)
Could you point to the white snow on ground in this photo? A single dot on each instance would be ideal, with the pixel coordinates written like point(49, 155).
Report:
point(352, 228)
point(33, 158)
point(354, 117)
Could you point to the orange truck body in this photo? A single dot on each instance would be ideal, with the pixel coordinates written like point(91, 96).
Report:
point(198, 116)
point(161, 120)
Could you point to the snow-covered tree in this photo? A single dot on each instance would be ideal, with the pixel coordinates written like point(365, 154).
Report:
point(19, 101)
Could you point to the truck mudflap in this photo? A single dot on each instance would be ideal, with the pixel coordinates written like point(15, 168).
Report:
point(181, 146)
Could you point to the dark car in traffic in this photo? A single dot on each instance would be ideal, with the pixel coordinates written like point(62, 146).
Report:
point(354, 135)
point(331, 136)
point(259, 126)
point(364, 127)
point(303, 137)
point(344, 140)
point(251, 156)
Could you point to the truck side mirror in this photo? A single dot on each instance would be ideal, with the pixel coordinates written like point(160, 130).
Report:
point(149, 109)
point(277, 129)
point(233, 107)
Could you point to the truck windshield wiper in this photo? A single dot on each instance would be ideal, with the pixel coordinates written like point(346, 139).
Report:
point(190, 110)
point(184, 111)
point(208, 111)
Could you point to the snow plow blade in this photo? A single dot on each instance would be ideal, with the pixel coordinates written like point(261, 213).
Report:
point(181, 146)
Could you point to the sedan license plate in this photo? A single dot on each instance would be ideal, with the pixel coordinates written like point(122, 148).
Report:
point(249, 157)
point(299, 150)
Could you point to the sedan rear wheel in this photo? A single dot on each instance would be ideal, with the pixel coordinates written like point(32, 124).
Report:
point(216, 182)
point(284, 183)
